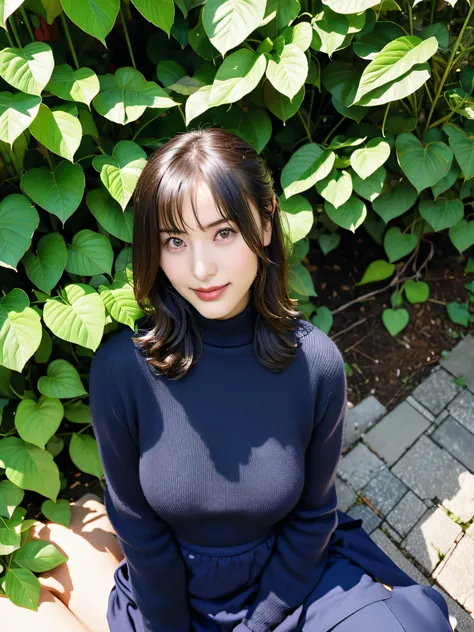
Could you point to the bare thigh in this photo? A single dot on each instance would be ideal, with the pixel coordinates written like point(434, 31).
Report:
point(51, 616)
point(84, 582)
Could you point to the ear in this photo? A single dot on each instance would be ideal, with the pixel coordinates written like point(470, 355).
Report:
point(267, 233)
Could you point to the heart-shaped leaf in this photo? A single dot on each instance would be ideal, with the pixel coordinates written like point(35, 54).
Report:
point(443, 213)
point(22, 588)
point(463, 148)
point(253, 126)
point(160, 13)
point(416, 291)
point(424, 166)
point(377, 271)
point(229, 22)
point(238, 75)
point(350, 6)
point(45, 269)
point(395, 320)
point(28, 69)
point(372, 186)
point(349, 215)
point(78, 413)
point(458, 313)
point(84, 454)
point(279, 104)
point(80, 85)
point(329, 31)
point(37, 422)
point(109, 214)
point(20, 330)
point(462, 235)
point(336, 188)
point(10, 497)
point(18, 221)
point(300, 281)
point(39, 556)
point(447, 182)
point(328, 242)
point(7, 8)
point(30, 467)
point(397, 244)
point(394, 201)
point(59, 191)
point(368, 159)
point(95, 17)
point(124, 97)
point(289, 73)
point(62, 381)
point(306, 166)
point(120, 302)
point(323, 319)
point(120, 172)
point(58, 130)
point(59, 511)
point(17, 111)
point(90, 253)
point(78, 318)
point(298, 217)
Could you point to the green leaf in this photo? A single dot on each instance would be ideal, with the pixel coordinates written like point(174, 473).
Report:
point(200, 43)
point(120, 172)
point(17, 111)
point(306, 166)
point(84, 454)
point(59, 191)
point(447, 182)
point(300, 281)
point(463, 148)
point(109, 214)
point(120, 302)
point(58, 512)
point(395, 320)
point(372, 186)
point(458, 313)
point(280, 13)
point(368, 45)
point(95, 17)
point(90, 253)
point(279, 104)
point(20, 330)
point(350, 6)
point(328, 242)
point(7, 8)
point(18, 221)
point(39, 556)
point(28, 69)
point(77, 413)
point(229, 22)
point(395, 201)
point(23, 588)
point(169, 71)
point(80, 319)
point(62, 381)
point(289, 74)
point(30, 467)
point(197, 103)
point(443, 213)
point(10, 497)
point(462, 235)
point(398, 89)
point(79, 85)
point(377, 271)
point(416, 291)
point(254, 126)
point(397, 244)
point(368, 159)
point(158, 12)
point(298, 213)
point(336, 187)
point(329, 31)
point(59, 131)
point(349, 215)
point(300, 35)
point(37, 422)
point(393, 61)
point(238, 75)
point(424, 166)
point(43, 353)
point(10, 538)
point(323, 319)
point(124, 97)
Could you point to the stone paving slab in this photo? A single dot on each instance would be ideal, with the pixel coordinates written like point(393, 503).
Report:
point(346, 496)
point(406, 514)
point(460, 361)
point(436, 391)
point(360, 418)
point(458, 441)
point(462, 409)
point(359, 466)
point(397, 431)
point(432, 536)
point(456, 574)
point(432, 472)
point(397, 556)
point(370, 520)
point(384, 491)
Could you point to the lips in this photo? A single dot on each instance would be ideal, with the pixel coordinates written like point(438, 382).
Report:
point(211, 294)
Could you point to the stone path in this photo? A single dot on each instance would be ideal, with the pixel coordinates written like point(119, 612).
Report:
point(409, 475)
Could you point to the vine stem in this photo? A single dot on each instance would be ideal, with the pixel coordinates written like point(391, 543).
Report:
point(450, 64)
point(11, 19)
point(127, 38)
point(27, 22)
point(142, 127)
point(333, 129)
point(305, 125)
point(69, 40)
point(9, 38)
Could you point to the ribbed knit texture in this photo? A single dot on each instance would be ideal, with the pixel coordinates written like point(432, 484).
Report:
point(221, 457)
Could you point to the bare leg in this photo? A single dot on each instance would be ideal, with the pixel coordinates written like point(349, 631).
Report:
point(52, 616)
point(84, 582)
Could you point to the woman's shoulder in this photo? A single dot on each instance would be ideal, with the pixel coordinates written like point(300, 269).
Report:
point(116, 351)
point(320, 350)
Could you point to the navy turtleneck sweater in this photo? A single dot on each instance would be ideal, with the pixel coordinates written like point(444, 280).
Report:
point(220, 457)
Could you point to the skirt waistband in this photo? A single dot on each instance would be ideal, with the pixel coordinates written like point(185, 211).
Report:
point(223, 551)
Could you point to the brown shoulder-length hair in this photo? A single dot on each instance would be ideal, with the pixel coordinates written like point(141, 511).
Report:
point(235, 175)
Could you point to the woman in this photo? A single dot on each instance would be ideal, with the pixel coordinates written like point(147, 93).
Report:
point(219, 424)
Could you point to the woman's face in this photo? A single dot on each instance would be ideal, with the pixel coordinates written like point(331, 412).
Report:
point(214, 257)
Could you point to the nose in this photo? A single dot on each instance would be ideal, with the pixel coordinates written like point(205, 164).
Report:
point(204, 265)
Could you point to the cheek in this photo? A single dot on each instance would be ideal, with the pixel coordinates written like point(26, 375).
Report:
point(244, 260)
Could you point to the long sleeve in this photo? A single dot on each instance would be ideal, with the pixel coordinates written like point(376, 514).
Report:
point(300, 553)
point(156, 568)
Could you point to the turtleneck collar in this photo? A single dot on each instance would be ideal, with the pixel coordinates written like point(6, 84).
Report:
point(232, 332)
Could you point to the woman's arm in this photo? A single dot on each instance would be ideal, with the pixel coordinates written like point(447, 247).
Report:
point(156, 568)
point(300, 554)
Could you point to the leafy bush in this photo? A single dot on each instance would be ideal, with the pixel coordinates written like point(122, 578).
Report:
point(363, 109)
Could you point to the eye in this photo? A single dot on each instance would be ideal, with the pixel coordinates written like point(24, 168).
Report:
point(172, 239)
point(227, 230)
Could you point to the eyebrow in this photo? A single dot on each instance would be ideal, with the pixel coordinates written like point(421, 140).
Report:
point(180, 232)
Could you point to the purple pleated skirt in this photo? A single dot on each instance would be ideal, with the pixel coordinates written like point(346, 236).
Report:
point(223, 581)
